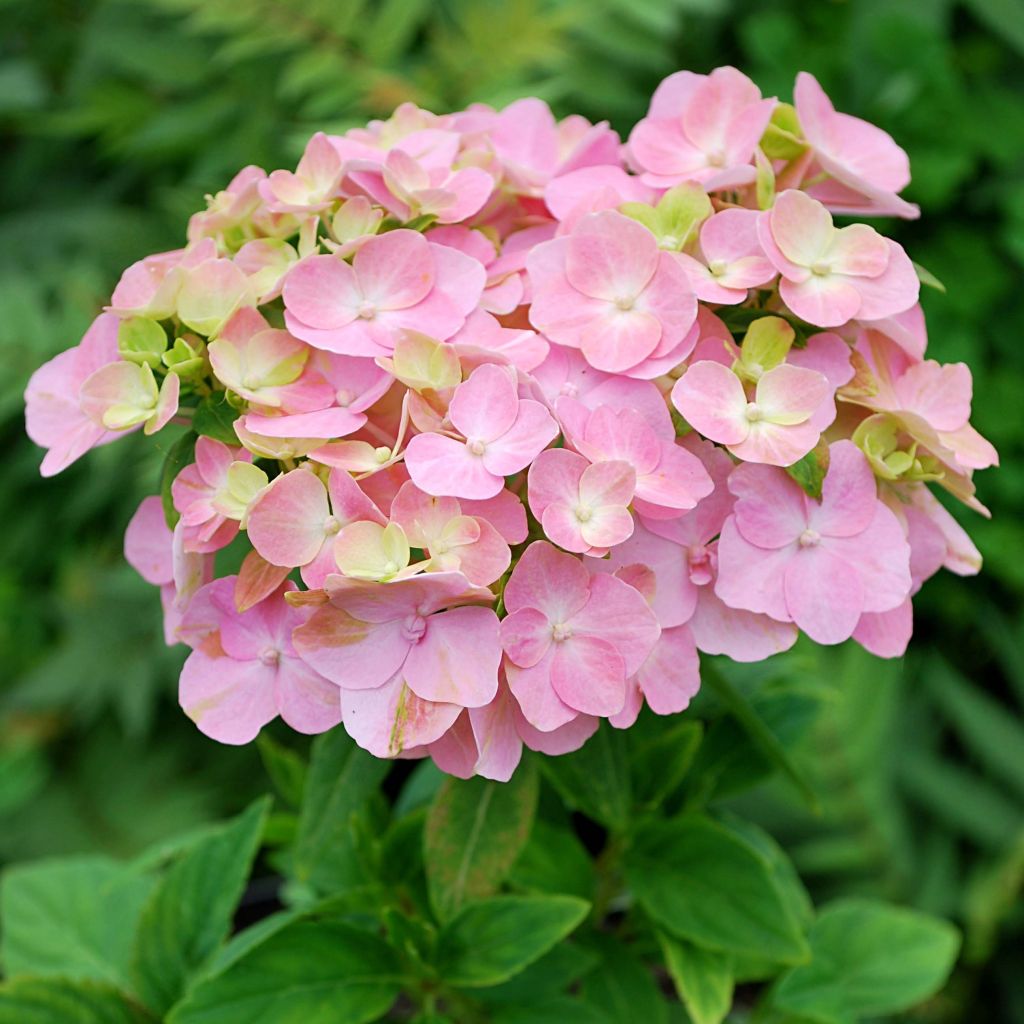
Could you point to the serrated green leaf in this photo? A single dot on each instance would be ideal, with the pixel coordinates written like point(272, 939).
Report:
point(62, 1001)
point(188, 915)
point(702, 978)
point(474, 832)
point(320, 972)
point(595, 779)
point(491, 941)
point(868, 959)
point(622, 987)
point(703, 883)
point(341, 781)
point(73, 917)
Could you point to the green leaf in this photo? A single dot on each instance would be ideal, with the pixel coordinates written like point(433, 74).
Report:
point(62, 1001)
point(72, 917)
point(188, 916)
point(595, 779)
point(474, 832)
point(562, 1010)
point(621, 987)
point(554, 860)
point(702, 978)
point(341, 782)
point(491, 941)
point(286, 768)
point(660, 759)
point(321, 972)
point(809, 472)
point(868, 959)
point(757, 729)
point(215, 417)
point(926, 277)
point(545, 979)
point(703, 883)
point(181, 454)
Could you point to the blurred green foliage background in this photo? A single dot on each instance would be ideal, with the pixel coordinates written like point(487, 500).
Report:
point(116, 116)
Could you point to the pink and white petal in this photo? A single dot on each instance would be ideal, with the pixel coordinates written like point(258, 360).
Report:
point(588, 674)
point(621, 434)
point(455, 753)
point(484, 560)
point(447, 468)
point(801, 227)
point(710, 398)
point(886, 634)
point(788, 395)
point(939, 394)
point(772, 510)
point(322, 292)
point(774, 445)
point(554, 478)
point(741, 635)
point(549, 580)
point(562, 527)
point(849, 493)
point(893, 292)
point(618, 613)
point(670, 299)
point(563, 740)
point(607, 526)
point(166, 405)
point(670, 676)
point(858, 250)
point(532, 689)
point(485, 406)
point(825, 301)
point(881, 557)
point(618, 339)
point(391, 719)
point(533, 430)
point(323, 423)
point(679, 481)
point(148, 543)
point(230, 701)
point(286, 521)
point(824, 594)
point(351, 653)
point(828, 354)
point(627, 716)
point(610, 256)
point(394, 270)
point(730, 236)
point(497, 739)
point(525, 636)
point(607, 483)
point(457, 659)
point(305, 700)
point(751, 578)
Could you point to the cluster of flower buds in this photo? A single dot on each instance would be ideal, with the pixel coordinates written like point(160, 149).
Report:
point(493, 422)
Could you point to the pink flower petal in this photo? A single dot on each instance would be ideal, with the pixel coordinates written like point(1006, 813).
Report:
point(610, 256)
point(710, 397)
point(351, 653)
point(589, 675)
point(824, 595)
point(229, 700)
point(286, 522)
point(457, 659)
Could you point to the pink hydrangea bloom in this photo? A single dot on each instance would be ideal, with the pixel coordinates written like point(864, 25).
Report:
point(608, 290)
point(453, 540)
point(489, 741)
point(732, 260)
point(501, 434)
point(583, 506)
point(833, 275)
point(396, 281)
point(294, 521)
point(243, 670)
point(778, 424)
point(196, 490)
point(54, 417)
point(864, 167)
point(820, 565)
point(571, 639)
point(701, 128)
point(313, 184)
point(429, 636)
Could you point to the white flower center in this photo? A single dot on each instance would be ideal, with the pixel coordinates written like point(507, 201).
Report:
point(821, 269)
point(476, 446)
point(367, 311)
point(331, 526)
point(810, 538)
point(625, 303)
point(753, 412)
point(270, 656)
point(561, 631)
